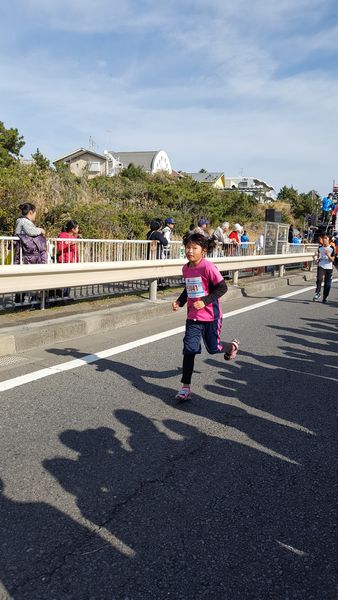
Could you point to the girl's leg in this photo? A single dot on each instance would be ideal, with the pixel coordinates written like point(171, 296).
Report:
point(211, 337)
point(191, 347)
point(188, 368)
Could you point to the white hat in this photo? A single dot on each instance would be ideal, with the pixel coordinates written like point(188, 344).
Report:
point(237, 227)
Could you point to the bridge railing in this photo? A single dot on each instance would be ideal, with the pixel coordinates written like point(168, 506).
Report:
point(61, 250)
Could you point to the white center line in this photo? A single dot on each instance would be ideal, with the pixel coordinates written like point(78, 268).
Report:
point(90, 358)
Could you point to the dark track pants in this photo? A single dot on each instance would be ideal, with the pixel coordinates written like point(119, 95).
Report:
point(325, 274)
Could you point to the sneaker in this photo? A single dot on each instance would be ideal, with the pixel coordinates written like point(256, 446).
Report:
point(316, 297)
point(183, 395)
point(324, 301)
point(233, 352)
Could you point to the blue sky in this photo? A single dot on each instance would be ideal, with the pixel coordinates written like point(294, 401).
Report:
point(241, 86)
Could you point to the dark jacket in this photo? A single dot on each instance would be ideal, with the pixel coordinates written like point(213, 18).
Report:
point(34, 250)
point(158, 237)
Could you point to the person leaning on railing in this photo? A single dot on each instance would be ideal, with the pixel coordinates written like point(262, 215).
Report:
point(32, 238)
point(155, 235)
point(32, 246)
point(67, 251)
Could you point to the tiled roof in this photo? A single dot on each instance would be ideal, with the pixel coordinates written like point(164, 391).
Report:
point(139, 159)
point(205, 177)
point(79, 152)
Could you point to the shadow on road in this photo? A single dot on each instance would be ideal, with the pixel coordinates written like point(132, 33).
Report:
point(226, 497)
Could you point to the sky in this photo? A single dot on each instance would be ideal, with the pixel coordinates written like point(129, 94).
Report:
point(246, 87)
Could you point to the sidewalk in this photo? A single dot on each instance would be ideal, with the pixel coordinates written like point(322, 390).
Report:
point(21, 331)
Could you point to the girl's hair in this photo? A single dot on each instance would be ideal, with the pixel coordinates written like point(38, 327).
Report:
point(26, 208)
point(70, 225)
point(198, 238)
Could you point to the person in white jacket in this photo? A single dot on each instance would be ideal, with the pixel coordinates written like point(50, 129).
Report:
point(167, 232)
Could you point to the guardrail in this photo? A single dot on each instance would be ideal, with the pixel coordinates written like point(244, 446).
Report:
point(61, 250)
point(21, 278)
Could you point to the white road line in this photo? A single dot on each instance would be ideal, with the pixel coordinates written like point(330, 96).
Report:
point(90, 358)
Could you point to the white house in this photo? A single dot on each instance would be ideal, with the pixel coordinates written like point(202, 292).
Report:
point(252, 186)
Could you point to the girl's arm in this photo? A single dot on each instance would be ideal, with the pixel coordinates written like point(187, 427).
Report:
point(219, 290)
point(182, 299)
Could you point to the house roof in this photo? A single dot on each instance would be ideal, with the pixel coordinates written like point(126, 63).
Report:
point(205, 177)
point(143, 159)
point(250, 181)
point(78, 153)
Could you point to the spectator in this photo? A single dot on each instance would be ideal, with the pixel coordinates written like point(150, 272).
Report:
point(244, 242)
point(32, 239)
point(327, 203)
point(334, 215)
point(68, 251)
point(296, 238)
point(167, 232)
point(155, 235)
point(260, 244)
point(235, 238)
point(32, 248)
point(202, 227)
point(221, 233)
point(290, 235)
point(236, 233)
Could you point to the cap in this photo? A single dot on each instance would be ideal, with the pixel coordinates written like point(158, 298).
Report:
point(237, 227)
point(203, 222)
point(170, 220)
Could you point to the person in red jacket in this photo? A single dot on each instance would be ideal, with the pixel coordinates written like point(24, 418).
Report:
point(235, 237)
point(67, 251)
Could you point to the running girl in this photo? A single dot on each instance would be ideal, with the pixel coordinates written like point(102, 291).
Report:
point(204, 286)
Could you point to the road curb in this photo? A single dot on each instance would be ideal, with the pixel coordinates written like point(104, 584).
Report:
point(19, 338)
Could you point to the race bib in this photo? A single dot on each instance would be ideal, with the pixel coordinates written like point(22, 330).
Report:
point(194, 287)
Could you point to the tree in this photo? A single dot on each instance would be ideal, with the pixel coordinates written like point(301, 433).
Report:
point(287, 194)
point(40, 160)
point(134, 172)
point(11, 143)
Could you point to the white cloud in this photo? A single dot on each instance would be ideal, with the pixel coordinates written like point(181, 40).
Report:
point(232, 111)
point(91, 16)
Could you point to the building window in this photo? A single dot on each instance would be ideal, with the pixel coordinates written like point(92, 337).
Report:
point(94, 167)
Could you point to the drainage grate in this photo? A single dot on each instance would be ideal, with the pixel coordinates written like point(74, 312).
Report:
point(6, 361)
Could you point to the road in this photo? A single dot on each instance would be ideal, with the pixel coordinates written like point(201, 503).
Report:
point(111, 491)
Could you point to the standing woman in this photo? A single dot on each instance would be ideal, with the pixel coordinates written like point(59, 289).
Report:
point(32, 247)
point(32, 238)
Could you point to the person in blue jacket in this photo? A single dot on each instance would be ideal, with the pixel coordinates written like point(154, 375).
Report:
point(244, 242)
point(327, 204)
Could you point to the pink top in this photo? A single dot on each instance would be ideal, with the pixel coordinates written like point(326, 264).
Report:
point(199, 282)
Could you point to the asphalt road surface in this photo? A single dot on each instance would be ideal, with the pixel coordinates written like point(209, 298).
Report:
point(109, 490)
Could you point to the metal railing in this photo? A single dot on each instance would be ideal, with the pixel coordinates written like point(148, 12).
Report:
point(116, 256)
point(62, 250)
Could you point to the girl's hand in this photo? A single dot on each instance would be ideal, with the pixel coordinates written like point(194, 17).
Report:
point(175, 306)
point(198, 304)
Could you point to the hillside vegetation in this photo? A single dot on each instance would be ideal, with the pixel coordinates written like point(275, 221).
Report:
point(122, 206)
